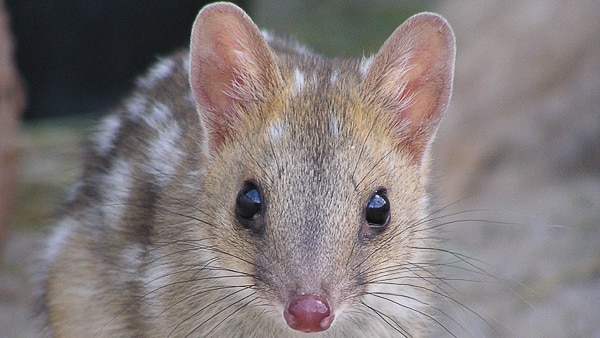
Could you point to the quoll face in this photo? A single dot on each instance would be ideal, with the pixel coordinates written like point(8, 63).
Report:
point(326, 212)
point(251, 188)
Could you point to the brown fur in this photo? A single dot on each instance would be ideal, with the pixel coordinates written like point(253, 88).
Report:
point(151, 246)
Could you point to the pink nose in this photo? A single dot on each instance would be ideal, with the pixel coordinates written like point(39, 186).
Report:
point(308, 313)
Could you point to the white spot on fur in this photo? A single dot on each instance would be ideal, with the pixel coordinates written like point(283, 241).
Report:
point(158, 72)
point(334, 76)
point(164, 155)
point(107, 134)
point(267, 35)
point(157, 274)
point(156, 115)
point(277, 130)
point(57, 239)
point(72, 194)
point(186, 64)
point(365, 65)
point(154, 280)
point(115, 190)
point(136, 106)
point(334, 126)
point(299, 82)
point(159, 116)
point(132, 258)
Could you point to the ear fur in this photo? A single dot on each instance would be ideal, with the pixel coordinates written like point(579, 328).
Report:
point(231, 66)
point(411, 76)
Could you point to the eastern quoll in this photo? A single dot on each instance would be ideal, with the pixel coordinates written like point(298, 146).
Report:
point(251, 188)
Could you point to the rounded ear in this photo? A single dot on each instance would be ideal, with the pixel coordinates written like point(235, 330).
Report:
point(231, 66)
point(411, 76)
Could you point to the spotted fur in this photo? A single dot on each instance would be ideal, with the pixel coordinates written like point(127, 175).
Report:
point(149, 244)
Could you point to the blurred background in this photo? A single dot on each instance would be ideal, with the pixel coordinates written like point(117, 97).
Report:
point(517, 155)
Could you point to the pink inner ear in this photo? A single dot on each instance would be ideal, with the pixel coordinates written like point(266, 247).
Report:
point(213, 57)
point(412, 76)
point(231, 67)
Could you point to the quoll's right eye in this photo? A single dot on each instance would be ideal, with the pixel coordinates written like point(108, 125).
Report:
point(249, 206)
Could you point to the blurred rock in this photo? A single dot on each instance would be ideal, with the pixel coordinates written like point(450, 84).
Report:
point(12, 101)
point(522, 140)
point(526, 96)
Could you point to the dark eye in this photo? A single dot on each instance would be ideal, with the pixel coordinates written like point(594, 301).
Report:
point(377, 213)
point(248, 206)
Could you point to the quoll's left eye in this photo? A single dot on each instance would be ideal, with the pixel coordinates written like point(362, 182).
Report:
point(249, 207)
point(377, 213)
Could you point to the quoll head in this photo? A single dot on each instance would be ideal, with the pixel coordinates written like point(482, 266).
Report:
point(317, 169)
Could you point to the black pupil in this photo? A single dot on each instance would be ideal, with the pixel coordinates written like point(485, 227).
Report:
point(248, 203)
point(378, 210)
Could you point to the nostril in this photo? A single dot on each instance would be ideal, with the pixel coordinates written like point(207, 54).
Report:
point(308, 313)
